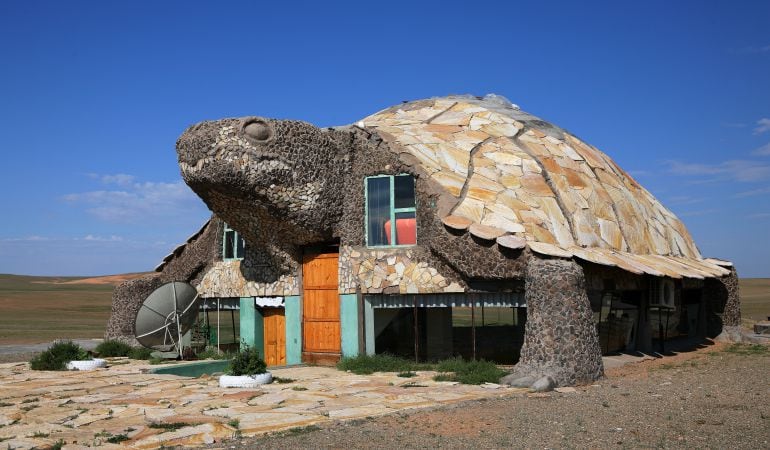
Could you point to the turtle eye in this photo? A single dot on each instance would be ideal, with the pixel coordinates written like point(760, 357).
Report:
point(258, 130)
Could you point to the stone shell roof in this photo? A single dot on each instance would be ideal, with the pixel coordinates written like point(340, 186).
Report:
point(521, 181)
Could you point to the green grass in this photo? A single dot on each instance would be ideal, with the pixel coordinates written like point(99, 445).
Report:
point(118, 438)
point(171, 426)
point(748, 349)
point(454, 369)
point(111, 349)
point(368, 364)
point(280, 380)
point(470, 372)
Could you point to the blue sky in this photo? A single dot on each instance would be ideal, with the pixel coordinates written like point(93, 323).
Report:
point(94, 94)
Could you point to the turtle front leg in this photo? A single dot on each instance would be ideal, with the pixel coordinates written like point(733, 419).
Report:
point(561, 345)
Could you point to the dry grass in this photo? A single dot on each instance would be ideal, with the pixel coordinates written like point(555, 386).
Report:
point(755, 298)
point(40, 309)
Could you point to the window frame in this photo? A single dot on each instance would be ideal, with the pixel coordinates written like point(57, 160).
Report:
point(392, 209)
point(236, 238)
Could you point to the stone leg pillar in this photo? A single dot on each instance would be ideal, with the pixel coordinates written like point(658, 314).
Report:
point(561, 346)
point(723, 303)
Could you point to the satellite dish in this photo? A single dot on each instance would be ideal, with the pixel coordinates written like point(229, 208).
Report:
point(165, 316)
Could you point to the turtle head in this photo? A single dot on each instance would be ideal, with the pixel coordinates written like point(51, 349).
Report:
point(288, 169)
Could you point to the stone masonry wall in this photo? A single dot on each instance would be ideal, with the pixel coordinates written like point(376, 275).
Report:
point(560, 338)
point(722, 298)
point(190, 265)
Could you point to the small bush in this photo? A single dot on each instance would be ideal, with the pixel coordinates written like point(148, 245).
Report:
point(142, 353)
point(111, 349)
point(407, 374)
point(213, 353)
point(247, 362)
point(469, 372)
point(118, 438)
point(58, 355)
point(368, 364)
point(171, 426)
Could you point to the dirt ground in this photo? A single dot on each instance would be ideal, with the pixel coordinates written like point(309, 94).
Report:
point(710, 398)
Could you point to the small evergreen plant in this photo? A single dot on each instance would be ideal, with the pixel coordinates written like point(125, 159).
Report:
point(247, 362)
point(111, 349)
point(58, 355)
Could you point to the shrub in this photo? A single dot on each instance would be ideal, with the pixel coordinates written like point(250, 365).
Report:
point(111, 349)
point(140, 353)
point(368, 364)
point(247, 362)
point(58, 355)
point(469, 372)
point(213, 353)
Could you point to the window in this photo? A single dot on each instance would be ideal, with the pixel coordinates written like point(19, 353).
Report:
point(232, 244)
point(390, 211)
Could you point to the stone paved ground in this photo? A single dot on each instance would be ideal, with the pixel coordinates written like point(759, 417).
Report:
point(712, 398)
point(38, 409)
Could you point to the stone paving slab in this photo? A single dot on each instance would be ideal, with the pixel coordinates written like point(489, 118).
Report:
point(86, 409)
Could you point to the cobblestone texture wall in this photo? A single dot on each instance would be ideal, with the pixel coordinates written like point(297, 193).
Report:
point(723, 304)
point(190, 265)
point(560, 338)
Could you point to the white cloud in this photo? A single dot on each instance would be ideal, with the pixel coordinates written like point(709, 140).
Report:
point(701, 212)
point(733, 170)
point(91, 237)
point(759, 216)
point(763, 125)
point(32, 238)
point(762, 151)
point(753, 192)
point(136, 202)
point(683, 200)
point(764, 49)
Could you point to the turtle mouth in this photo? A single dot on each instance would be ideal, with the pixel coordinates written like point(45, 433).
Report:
point(252, 161)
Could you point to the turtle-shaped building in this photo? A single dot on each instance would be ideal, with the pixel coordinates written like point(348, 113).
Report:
point(448, 226)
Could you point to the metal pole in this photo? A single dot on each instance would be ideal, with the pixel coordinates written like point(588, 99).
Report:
point(416, 331)
point(218, 333)
point(609, 325)
point(232, 319)
point(178, 325)
point(473, 325)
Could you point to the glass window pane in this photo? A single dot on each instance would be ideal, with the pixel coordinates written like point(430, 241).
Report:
point(229, 244)
point(378, 210)
point(403, 190)
point(241, 245)
point(406, 228)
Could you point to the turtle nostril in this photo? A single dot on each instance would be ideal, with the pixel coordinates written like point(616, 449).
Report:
point(258, 130)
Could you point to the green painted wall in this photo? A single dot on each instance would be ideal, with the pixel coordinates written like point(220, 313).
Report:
point(349, 324)
point(293, 330)
point(252, 325)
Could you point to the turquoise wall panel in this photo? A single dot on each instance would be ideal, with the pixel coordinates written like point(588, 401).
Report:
point(252, 325)
point(349, 324)
point(369, 325)
point(293, 330)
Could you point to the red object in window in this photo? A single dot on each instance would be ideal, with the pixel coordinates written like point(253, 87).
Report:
point(406, 231)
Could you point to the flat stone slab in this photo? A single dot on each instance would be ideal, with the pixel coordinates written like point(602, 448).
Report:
point(37, 409)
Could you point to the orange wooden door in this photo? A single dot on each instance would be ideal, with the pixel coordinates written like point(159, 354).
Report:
point(275, 336)
point(320, 304)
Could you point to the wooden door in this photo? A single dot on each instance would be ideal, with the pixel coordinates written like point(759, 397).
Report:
point(275, 336)
point(320, 309)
